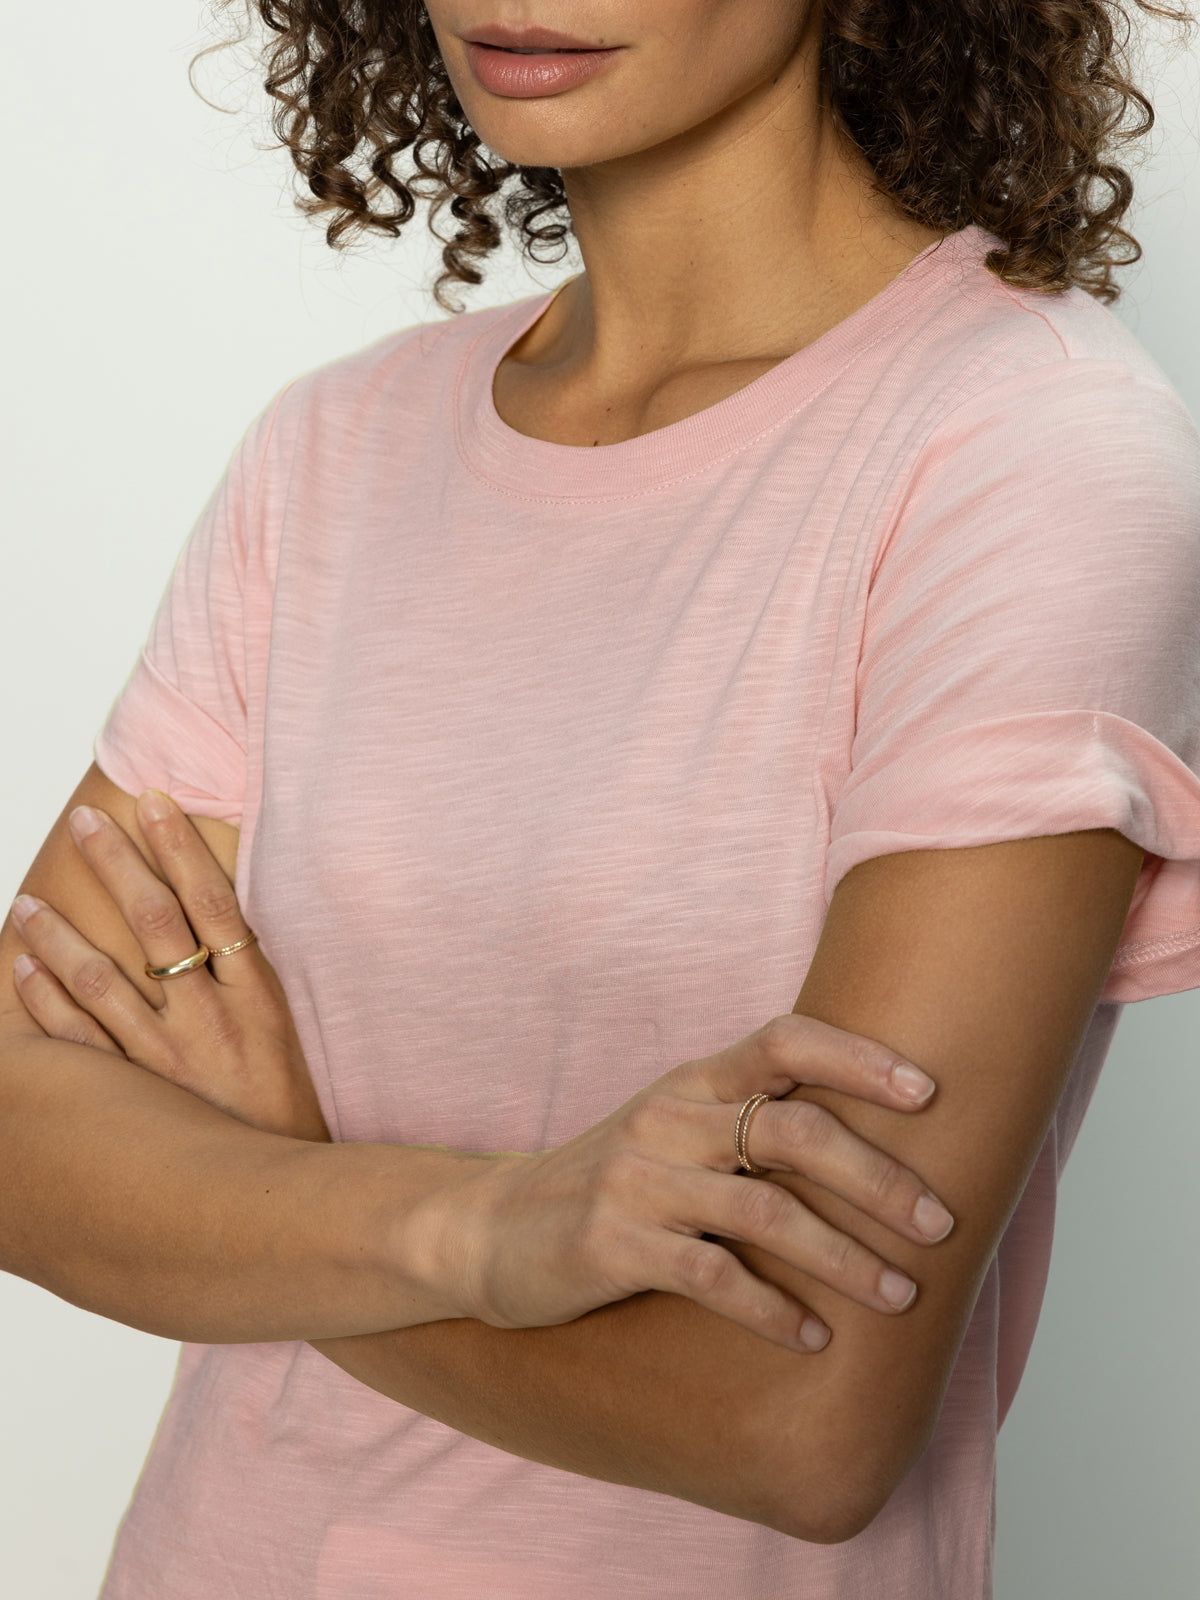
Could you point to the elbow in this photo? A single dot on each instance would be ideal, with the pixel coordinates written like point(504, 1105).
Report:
point(831, 1515)
point(827, 1463)
point(833, 1500)
point(845, 1517)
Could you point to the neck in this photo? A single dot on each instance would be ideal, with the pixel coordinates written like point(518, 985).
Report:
point(741, 240)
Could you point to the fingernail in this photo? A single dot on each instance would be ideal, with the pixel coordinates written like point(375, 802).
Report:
point(911, 1082)
point(896, 1289)
point(23, 908)
point(932, 1218)
point(83, 822)
point(155, 805)
point(23, 966)
point(814, 1335)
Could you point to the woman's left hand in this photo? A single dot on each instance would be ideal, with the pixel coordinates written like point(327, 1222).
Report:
point(224, 1031)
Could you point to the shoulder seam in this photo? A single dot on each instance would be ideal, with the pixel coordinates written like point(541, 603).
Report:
point(260, 466)
point(1031, 311)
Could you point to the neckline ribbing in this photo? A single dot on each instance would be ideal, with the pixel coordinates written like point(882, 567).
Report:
point(537, 469)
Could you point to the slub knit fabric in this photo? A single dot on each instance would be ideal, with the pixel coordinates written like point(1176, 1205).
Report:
point(547, 761)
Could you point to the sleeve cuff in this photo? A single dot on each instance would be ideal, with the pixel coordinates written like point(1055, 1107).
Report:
point(1045, 773)
point(156, 738)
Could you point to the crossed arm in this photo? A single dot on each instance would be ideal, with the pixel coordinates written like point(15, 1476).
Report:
point(983, 965)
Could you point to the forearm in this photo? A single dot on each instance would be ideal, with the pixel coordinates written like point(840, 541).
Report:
point(127, 1195)
point(659, 1393)
point(654, 1391)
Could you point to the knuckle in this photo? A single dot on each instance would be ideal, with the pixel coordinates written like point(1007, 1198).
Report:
point(810, 1127)
point(651, 1116)
point(154, 915)
point(704, 1267)
point(763, 1206)
point(861, 1054)
point(93, 978)
point(778, 1039)
point(888, 1183)
point(214, 902)
point(168, 832)
point(841, 1256)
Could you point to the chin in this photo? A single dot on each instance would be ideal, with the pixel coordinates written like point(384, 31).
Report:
point(547, 147)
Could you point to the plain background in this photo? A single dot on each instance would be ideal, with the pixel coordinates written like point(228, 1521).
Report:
point(158, 290)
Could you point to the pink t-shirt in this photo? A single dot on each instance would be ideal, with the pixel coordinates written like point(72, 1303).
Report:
point(547, 760)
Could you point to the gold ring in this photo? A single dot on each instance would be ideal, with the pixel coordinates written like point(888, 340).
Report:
point(190, 964)
point(232, 949)
point(739, 1132)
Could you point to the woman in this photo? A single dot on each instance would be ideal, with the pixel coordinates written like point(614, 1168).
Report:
point(567, 684)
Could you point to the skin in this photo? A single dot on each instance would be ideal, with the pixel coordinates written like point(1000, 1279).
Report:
point(224, 1033)
point(982, 964)
point(703, 172)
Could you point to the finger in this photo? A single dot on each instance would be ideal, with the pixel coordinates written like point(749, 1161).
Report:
point(797, 1136)
point(793, 1049)
point(789, 1136)
point(714, 1278)
point(199, 881)
point(149, 907)
point(52, 1008)
point(767, 1215)
point(91, 980)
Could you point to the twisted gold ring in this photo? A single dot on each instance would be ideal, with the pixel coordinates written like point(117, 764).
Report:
point(232, 949)
point(739, 1132)
point(197, 959)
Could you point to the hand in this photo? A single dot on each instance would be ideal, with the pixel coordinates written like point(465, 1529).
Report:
point(628, 1205)
point(224, 1032)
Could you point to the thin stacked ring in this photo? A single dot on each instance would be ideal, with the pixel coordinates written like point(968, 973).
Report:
point(199, 957)
point(739, 1132)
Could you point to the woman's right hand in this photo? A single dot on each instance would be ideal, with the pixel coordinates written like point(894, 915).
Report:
point(626, 1205)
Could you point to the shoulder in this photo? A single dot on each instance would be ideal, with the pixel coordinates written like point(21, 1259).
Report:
point(1012, 328)
point(1027, 359)
point(1045, 418)
point(372, 410)
point(394, 380)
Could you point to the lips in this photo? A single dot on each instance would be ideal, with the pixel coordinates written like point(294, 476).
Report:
point(523, 72)
point(534, 39)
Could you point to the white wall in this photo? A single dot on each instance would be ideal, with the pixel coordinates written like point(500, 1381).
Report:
point(157, 291)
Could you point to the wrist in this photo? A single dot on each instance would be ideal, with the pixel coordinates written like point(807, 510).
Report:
point(447, 1237)
point(431, 1229)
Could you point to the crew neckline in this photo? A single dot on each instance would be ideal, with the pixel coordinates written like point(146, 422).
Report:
point(539, 469)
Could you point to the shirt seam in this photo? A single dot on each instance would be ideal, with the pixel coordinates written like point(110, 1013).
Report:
point(609, 497)
point(252, 505)
point(1138, 951)
point(1033, 311)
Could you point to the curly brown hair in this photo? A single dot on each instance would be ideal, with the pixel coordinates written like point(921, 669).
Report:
point(996, 112)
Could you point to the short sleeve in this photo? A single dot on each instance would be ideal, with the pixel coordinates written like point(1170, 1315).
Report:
point(180, 722)
point(1030, 659)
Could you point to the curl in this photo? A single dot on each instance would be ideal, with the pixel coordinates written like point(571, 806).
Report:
point(1004, 113)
